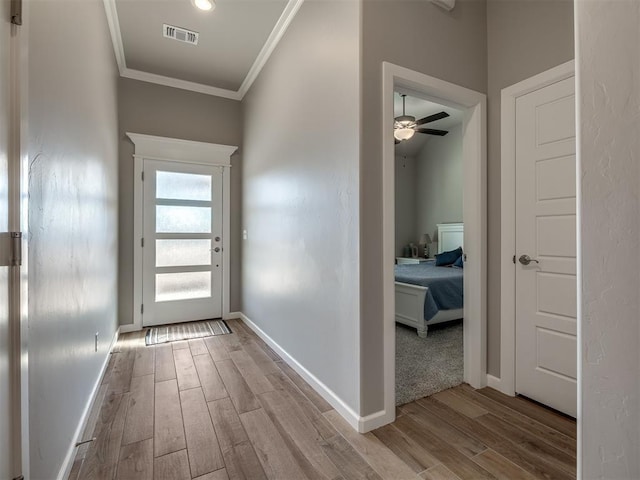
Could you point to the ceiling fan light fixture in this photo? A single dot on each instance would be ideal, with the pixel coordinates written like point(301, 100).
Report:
point(403, 133)
point(204, 5)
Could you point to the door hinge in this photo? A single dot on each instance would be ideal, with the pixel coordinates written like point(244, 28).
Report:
point(142, 175)
point(514, 259)
point(142, 242)
point(16, 12)
point(10, 249)
point(141, 308)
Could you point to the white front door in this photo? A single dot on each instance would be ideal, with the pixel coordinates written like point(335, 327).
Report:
point(546, 303)
point(182, 244)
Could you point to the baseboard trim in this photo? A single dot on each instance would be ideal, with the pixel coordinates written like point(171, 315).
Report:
point(376, 420)
point(131, 327)
point(65, 469)
point(496, 384)
point(357, 423)
point(233, 315)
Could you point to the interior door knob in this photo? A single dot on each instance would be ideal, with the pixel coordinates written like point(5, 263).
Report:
point(217, 249)
point(526, 260)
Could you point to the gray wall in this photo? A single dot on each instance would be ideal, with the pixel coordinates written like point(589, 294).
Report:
point(525, 37)
point(300, 195)
point(608, 69)
point(405, 182)
point(439, 180)
point(73, 226)
point(170, 112)
point(420, 36)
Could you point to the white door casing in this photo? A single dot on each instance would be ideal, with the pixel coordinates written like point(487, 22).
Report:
point(5, 337)
point(149, 147)
point(474, 212)
point(546, 302)
point(182, 249)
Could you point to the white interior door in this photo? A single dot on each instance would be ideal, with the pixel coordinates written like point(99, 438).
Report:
point(546, 303)
point(182, 244)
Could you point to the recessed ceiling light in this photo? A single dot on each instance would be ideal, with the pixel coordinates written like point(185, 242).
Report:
point(205, 5)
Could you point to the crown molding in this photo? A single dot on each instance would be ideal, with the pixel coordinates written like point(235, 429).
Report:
point(274, 38)
point(180, 150)
point(177, 83)
point(276, 34)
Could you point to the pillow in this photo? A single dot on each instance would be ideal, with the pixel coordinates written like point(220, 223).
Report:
point(447, 258)
point(459, 262)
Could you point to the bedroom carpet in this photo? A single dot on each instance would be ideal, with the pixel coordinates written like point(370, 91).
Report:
point(425, 366)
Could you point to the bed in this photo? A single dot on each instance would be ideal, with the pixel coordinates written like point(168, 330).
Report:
point(426, 294)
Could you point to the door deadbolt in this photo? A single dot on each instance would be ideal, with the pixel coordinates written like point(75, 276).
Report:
point(217, 239)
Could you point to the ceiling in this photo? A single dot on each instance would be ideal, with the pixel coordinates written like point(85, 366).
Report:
point(235, 40)
point(420, 108)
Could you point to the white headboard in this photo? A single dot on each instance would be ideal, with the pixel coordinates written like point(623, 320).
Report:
point(450, 236)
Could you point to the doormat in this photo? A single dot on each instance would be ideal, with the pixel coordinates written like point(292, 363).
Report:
point(186, 331)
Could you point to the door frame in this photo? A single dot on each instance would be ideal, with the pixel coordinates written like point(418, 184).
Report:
point(19, 222)
point(507, 382)
point(181, 151)
point(474, 104)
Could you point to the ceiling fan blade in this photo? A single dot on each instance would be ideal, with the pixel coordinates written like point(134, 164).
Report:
point(432, 118)
point(396, 141)
point(431, 131)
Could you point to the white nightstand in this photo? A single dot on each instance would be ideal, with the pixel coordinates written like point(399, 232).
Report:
point(411, 261)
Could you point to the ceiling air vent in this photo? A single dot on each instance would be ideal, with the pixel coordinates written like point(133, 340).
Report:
point(180, 34)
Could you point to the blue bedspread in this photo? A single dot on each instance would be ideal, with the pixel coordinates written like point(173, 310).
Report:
point(445, 285)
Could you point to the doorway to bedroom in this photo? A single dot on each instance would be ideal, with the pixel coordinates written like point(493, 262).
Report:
point(429, 246)
point(471, 228)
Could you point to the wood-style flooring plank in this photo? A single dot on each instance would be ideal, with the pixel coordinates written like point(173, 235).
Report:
point(453, 459)
point(300, 436)
point(502, 468)
point(120, 379)
point(347, 460)
point(239, 456)
point(276, 459)
point(180, 345)
point(217, 475)
point(144, 362)
point(197, 347)
point(464, 443)
point(549, 455)
point(212, 385)
point(459, 403)
point(173, 466)
point(216, 348)
point(241, 395)
point(139, 425)
point(202, 443)
point(302, 404)
point(537, 412)
point(382, 459)
point(169, 430)
point(254, 377)
point(260, 357)
point(185, 369)
point(165, 368)
point(313, 396)
point(136, 461)
point(102, 456)
point(493, 439)
point(440, 472)
point(543, 432)
point(405, 448)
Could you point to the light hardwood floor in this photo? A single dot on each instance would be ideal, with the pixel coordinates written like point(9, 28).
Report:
point(227, 407)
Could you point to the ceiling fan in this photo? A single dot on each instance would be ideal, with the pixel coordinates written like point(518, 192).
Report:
point(405, 126)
